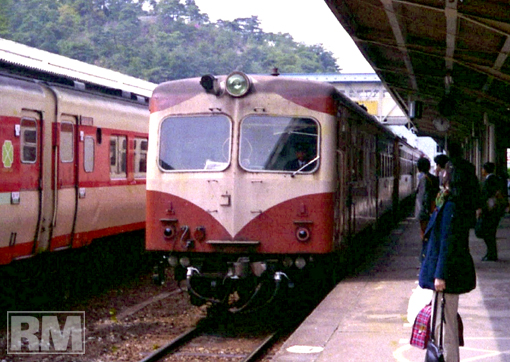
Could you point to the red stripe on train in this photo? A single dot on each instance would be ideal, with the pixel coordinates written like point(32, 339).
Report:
point(275, 228)
point(24, 250)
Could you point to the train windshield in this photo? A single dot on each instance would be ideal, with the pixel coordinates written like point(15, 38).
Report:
point(193, 143)
point(275, 143)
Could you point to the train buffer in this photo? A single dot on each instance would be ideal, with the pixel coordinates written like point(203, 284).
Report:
point(365, 317)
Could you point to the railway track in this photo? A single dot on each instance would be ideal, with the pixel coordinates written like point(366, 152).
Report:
point(202, 342)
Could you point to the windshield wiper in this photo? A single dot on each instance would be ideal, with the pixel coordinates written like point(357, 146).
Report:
point(305, 166)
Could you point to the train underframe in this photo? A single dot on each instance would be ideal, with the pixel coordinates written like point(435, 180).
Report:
point(247, 283)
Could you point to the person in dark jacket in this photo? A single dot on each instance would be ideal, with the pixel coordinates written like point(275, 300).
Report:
point(448, 266)
point(426, 192)
point(490, 214)
point(301, 160)
point(441, 160)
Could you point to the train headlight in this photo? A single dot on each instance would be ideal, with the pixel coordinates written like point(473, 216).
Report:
point(303, 234)
point(237, 84)
point(300, 263)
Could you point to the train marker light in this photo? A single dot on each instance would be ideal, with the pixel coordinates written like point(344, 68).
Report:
point(238, 84)
point(170, 232)
point(199, 234)
point(210, 83)
point(303, 234)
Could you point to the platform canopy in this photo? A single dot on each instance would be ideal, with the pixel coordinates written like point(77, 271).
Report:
point(446, 60)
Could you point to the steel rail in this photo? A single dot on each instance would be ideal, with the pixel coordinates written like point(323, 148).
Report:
point(172, 345)
point(266, 343)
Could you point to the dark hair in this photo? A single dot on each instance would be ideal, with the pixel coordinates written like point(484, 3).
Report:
point(441, 160)
point(423, 164)
point(489, 167)
point(455, 150)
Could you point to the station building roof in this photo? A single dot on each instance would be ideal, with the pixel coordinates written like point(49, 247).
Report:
point(448, 56)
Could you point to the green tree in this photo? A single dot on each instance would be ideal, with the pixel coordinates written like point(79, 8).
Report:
point(5, 6)
point(157, 40)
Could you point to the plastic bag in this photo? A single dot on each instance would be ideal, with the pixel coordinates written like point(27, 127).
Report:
point(419, 299)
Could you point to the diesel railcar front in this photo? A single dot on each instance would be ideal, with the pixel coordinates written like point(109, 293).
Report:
point(255, 182)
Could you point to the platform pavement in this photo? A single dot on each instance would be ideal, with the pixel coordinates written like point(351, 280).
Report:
point(365, 317)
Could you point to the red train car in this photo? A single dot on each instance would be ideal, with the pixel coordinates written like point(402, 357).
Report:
point(229, 199)
point(73, 162)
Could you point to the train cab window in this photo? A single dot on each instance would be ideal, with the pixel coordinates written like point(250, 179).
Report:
point(66, 142)
point(195, 143)
point(28, 140)
point(118, 156)
point(140, 159)
point(275, 143)
point(89, 154)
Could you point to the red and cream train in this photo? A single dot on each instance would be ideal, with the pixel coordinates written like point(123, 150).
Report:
point(229, 203)
point(73, 160)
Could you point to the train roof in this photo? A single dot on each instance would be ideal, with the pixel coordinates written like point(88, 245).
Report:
point(35, 63)
point(173, 92)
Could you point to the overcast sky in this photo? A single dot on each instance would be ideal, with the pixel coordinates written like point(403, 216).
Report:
point(308, 21)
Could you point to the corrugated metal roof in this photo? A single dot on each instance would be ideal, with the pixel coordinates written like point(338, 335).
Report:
point(25, 56)
point(450, 57)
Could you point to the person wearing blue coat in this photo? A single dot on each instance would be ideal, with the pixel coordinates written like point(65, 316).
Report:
point(447, 264)
point(446, 255)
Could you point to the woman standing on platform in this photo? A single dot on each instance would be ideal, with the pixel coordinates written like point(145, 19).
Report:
point(448, 266)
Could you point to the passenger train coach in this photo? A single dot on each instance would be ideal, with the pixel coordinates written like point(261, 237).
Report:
point(73, 162)
point(228, 200)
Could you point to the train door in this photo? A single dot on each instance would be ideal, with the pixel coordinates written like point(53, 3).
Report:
point(22, 176)
point(66, 182)
point(343, 215)
point(88, 136)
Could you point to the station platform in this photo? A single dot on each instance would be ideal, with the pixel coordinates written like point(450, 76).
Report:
point(364, 318)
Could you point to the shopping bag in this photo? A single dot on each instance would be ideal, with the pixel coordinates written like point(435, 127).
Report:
point(419, 299)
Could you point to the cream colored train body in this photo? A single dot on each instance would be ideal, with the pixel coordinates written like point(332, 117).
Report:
point(228, 199)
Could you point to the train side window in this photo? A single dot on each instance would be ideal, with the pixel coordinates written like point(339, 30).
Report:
point(140, 158)
point(28, 140)
point(118, 156)
point(89, 154)
point(66, 142)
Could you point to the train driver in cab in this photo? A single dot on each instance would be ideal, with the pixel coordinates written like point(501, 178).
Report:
point(302, 159)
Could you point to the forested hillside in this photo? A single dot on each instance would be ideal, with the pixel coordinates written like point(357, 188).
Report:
point(156, 40)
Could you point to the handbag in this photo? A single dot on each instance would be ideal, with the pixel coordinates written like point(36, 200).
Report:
point(435, 350)
point(421, 328)
point(421, 332)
